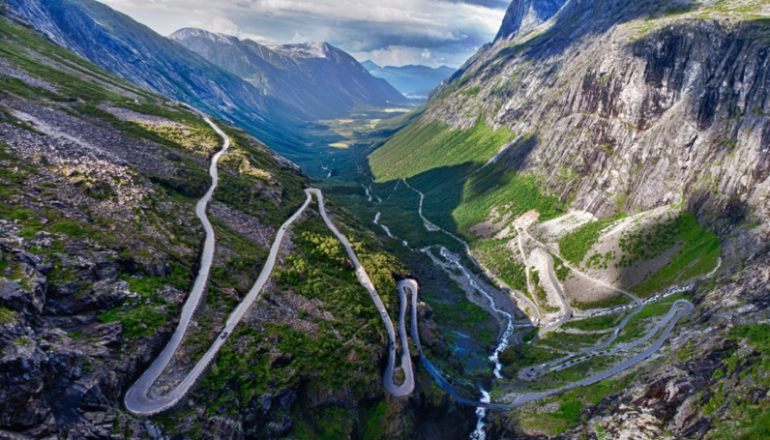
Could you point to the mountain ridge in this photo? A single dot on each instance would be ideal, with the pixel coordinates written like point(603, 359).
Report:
point(581, 122)
point(411, 80)
point(129, 49)
point(322, 80)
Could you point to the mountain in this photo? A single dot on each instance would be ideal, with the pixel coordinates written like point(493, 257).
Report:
point(131, 50)
point(634, 139)
point(321, 80)
point(413, 81)
point(100, 244)
point(524, 16)
point(369, 65)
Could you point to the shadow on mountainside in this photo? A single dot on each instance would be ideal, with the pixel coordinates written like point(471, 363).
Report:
point(461, 196)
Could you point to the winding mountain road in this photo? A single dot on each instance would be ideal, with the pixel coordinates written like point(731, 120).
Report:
point(518, 297)
point(678, 310)
point(139, 400)
point(136, 398)
point(363, 278)
point(560, 291)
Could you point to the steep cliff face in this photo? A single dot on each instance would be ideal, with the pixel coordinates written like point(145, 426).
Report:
point(622, 107)
point(524, 16)
point(321, 80)
point(98, 234)
point(611, 109)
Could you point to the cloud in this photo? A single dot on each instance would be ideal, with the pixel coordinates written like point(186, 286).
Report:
point(398, 30)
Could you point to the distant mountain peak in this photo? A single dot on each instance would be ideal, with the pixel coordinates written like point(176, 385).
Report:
point(190, 32)
point(307, 50)
point(370, 65)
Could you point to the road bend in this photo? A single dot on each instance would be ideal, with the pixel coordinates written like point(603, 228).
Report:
point(139, 400)
point(513, 400)
point(134, 401)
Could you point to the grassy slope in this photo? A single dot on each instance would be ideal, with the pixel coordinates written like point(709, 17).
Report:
point(422, 146)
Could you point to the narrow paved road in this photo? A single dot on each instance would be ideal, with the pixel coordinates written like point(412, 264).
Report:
point(517, 296)
point(406, 361)
point(138, 399)
point(565, 303)
point(586, 355)
point(678, 310)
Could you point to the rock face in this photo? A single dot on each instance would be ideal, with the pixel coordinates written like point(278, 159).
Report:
point(321, 80)
point(524, 16)
point(100, 243)
point(623, 107)
point(626, 106)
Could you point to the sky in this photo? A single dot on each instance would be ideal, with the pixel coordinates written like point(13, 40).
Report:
point(388, 32)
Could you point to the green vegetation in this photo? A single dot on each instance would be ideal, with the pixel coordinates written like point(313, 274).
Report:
point(525, 355)
point(7, 316)
point(325, 273)
point(568, 341)
point(142, 317)
point(698, 254)
point(540, 294)
point(318, 269)
point(68, 86)
point(324, 424)
point(562, 271)
point(511, 193)
point(740, 419)
point(600, 261)
point(529, 337)
point(496, 256)
point(425, 146)
point(575, 245)
point(569, 412)
point(463, 313)
point(376, 421)
point(247, 170)
point(141, 320)
point(639, 324)
point(130, 129)
point(615, 300)
point(589, 324)
point(148, 285)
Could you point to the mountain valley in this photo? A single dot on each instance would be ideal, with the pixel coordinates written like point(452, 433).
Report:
point(567, 240)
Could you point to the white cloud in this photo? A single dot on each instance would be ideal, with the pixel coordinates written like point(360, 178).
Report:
point(402, 30)
point(222, 25)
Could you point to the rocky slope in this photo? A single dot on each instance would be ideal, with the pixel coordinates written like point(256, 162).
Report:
point(319, 79)
point(133, 51)
point(637, 107)
point(98, 247)
point(413, 81)
point(524, 16)
point(609, 109)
